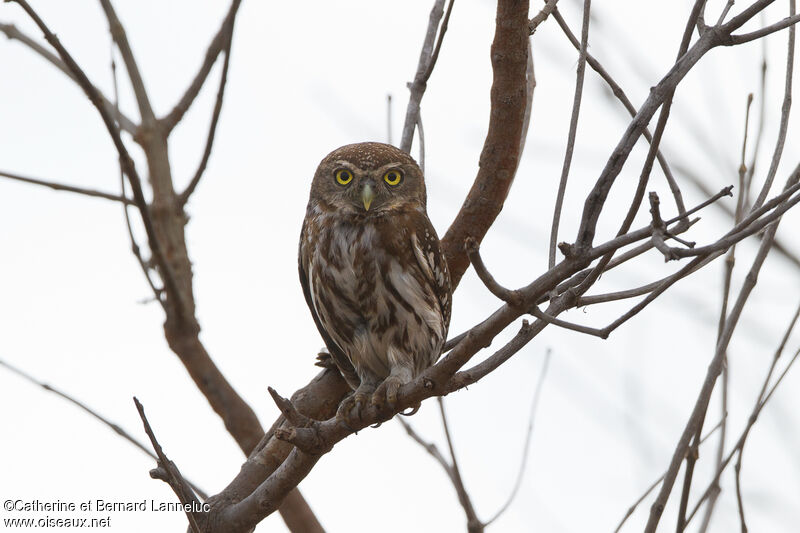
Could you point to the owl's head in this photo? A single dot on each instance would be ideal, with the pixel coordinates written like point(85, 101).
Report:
point(368, 179)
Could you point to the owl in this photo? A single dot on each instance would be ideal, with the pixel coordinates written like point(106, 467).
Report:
point(373, 272)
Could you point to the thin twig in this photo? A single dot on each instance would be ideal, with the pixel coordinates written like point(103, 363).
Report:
point(417, 87)
point(135, 249)
point(388, 119)
point(124, 47)
point(12, 32)
point(763, 397)
point(526, 447)
point(655, 483)
point(69, 188)
point(212, 129)
point(761, 118)
point(80, 405)
point(629, 293)
point(473, 252)
point(573, 130)
point(429, 447)
point(538, 313)
point(214, 49)
point(438, 47)
point(541, 16)
point(623, 98)
point(596, 199)
point(785, 110)
point(172, 474)
point(473, 524)
point(714, 369)
point(421, 135)
point(97, 416)
point(779, 205)
point(788, 22)
point(730, 260)
point(652, 154)
point(125, 158)
point(724, 13)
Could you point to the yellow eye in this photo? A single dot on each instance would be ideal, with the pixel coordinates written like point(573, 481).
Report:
point(343, 176)
point(393, 177)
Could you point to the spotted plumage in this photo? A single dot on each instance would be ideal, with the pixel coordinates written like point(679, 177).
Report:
point(372, 270)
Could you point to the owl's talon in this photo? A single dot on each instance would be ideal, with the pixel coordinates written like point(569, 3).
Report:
point(386, 393)
point(349, 411)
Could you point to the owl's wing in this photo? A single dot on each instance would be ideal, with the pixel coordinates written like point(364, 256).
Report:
point(429, 255)
point(341, 360)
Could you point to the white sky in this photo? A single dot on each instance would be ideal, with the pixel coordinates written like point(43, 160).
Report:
point(306, 77)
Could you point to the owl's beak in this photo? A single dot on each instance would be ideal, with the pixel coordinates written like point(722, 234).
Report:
point(367, 195)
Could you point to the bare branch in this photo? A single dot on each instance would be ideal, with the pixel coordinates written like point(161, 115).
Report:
point(82, 406)
point(785, 110)
point(288, 409)
point(421, 134)
point(388, 119)
point(724, 13)
point(530, 87)
point(726, 285)
point(761, 121)
point(535, 311)
point(714, 369)
point(763, 32)
point(135, 249)
point(12, 32)
point(429, 447)
point(500, 154)
point(69, 188)
point(763, 398)
point(473, 524)
point(473, 252)
point(573, 130)
point(596, 199)
point(526, 447)
point(781, 203)
point(212, 129)
point(173, 476)
point(541, 16)
point(125, 158)
point(438, 47)
point(216, 46)
point(424, 69)
point(121, 38)
point(655, 483)
point(97, 416)
point(623, 98)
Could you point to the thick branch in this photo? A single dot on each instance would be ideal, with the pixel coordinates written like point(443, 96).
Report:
point(500, 155)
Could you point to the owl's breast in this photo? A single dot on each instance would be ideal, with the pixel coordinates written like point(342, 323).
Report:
point(372, 297)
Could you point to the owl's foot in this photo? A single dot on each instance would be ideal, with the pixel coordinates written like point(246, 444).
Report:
point(386, 393)
point(349, 410)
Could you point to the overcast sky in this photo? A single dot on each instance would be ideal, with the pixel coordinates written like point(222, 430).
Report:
point(305, 78)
